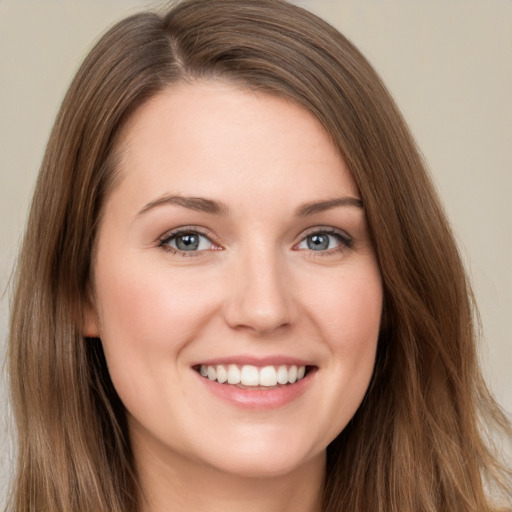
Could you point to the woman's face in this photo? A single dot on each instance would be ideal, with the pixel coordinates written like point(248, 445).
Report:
point(234, 246)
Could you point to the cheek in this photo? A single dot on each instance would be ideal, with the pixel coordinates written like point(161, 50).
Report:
point(147, 307)
point(348, 319)
point(355, 332)
point(147, 316)
point(347, 309)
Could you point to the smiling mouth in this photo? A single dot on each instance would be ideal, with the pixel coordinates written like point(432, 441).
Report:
point(254, 377)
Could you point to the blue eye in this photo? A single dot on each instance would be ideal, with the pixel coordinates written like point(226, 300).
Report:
point(323, 241)
point(187, 241)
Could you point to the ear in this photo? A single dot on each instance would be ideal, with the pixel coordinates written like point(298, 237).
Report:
point(384, 317)
point(90, 320)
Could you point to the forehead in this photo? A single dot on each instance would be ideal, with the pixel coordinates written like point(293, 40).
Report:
point(208, 138)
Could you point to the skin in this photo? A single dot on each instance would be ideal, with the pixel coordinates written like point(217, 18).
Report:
point(254, 288)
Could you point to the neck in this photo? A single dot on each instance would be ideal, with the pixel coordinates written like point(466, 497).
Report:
point(186, 486)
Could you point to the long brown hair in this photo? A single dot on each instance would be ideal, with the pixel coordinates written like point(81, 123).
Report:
point(417, 442)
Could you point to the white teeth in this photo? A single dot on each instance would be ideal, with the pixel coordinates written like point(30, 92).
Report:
point(292, 374)
point(233, 374)
point(222, 374)
point(282, 375)
point(268, 376)
point(249, 375)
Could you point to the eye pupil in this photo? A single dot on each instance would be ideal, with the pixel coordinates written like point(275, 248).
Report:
point(187, 242)
point(318, 242)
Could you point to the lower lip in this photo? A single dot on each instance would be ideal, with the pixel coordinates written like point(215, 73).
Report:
point(259, 399)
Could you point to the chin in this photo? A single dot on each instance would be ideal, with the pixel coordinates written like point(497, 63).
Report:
point(270, 466)
point(264, 457)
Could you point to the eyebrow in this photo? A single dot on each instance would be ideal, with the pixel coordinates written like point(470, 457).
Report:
point(199, 204)
point(212, 207)
point(320, 206)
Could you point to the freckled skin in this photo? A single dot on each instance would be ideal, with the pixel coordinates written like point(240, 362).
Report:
point(253, 287)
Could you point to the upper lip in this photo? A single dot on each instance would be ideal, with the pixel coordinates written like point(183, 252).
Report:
point(242, 360)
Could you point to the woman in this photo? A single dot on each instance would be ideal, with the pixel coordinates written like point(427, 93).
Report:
point(233, 286)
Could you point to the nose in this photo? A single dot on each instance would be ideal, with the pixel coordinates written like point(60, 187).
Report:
point(260, 298)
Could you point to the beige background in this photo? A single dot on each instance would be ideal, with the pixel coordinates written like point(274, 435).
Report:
point(447, 62)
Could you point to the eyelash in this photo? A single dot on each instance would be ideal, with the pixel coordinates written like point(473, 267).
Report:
point(166, 239)
point(345, 241)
